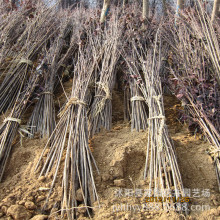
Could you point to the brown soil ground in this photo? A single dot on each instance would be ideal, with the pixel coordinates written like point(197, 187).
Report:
point(120, 156)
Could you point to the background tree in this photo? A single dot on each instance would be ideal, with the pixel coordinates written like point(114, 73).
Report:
point(164, 7)
point(179, 5)
point(215, 10)
point(124, 3)
point(105, 10)
point(68, 3)
point(145, 9)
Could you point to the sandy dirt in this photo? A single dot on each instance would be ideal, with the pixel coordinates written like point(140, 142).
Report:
point(120, 156)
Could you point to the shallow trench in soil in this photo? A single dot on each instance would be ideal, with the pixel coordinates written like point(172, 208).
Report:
point(120, 157)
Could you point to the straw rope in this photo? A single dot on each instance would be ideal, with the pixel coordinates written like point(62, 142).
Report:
point(137, 98)
point(26, 61)
point(49, 93)
point(100, 105)
point(162, 124)
point(106, 89)
point(215, 153)
point(12, 119)
point(71, 101)
point(157, 117)
point(157, 98)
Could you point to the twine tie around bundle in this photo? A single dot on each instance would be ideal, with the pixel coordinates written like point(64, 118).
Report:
point(137, 98)
point(106, 89)
point(157, 117)
point(215, 153)
point(162, 123)
point(71, 101)
point(12, 119)
point(25, 61)
point(49, 93)
point(100, 105)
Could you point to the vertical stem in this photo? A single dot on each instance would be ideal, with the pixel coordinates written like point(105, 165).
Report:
point(164, 7)
point(179, 6)
point(215, 10)
point(145, 9)
point(124, 3)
